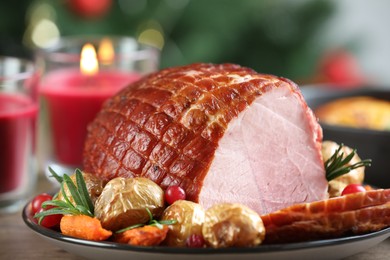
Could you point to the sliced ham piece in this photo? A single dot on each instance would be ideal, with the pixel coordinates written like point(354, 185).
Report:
point(355, 213)
point(223, 132)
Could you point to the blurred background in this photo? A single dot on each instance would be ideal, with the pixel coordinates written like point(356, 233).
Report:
point(309, 41)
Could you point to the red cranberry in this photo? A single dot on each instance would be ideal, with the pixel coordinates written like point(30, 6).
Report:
point(195, 241)
point(174, 193)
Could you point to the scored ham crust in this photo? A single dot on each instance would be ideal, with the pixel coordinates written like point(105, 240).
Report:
point(224, 133)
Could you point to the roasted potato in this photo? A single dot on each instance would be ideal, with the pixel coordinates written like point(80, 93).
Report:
point(355, 176)
point(124, 202)
point(189, 216)
point(94, 186)
point(232, 225)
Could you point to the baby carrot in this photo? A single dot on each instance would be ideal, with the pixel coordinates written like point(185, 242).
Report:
point(143, 236)
point(85, 227)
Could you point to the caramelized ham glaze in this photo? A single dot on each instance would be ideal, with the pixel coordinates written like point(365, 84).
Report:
point(223, 132)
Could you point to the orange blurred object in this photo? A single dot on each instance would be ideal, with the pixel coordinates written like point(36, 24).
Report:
point(106, 52)
point(88, 62)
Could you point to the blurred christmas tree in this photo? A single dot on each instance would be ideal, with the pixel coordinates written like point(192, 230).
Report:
point(269, 36)
point(12, 27)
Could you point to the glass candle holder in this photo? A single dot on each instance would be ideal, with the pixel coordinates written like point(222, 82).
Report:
point(18, 112)
point(75, 83)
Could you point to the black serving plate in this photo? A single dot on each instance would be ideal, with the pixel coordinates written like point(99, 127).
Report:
point(370, 144)
point(326, 249)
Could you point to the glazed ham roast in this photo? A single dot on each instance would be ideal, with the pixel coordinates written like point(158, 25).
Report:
point(224, 133)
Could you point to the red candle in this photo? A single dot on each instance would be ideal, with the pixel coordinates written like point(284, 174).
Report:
point(17, 120)
point(73, 100)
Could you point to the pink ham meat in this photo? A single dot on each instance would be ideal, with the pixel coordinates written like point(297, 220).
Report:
point(222, 132)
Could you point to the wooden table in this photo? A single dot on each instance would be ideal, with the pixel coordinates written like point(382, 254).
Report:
point(17, 241)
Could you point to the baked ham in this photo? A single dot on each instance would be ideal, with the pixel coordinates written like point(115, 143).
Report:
point(224, 133)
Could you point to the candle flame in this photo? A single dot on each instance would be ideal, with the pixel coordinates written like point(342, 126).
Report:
point(106, 51)
point(88, 62)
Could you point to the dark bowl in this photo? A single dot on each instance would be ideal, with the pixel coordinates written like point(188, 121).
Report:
point(370, 144)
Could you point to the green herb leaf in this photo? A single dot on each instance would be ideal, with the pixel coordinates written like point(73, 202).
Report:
point(152, 222)
point(150, 214)
point(56, 203)
point(55, 175)
point(129, 227)
point(65, 196)
point(337, 165)
point(84, 211)
point(168, 222)
point(156, 224)
point(73, 190)
point(53, 211)
point(84, 191)
point(82, 200)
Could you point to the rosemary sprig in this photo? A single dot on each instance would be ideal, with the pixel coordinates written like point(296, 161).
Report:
point(337, 165)
point(152, 222)
point(58, 178)
point(82, 201)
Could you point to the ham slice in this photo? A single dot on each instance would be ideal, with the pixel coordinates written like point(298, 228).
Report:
point(224, 133)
